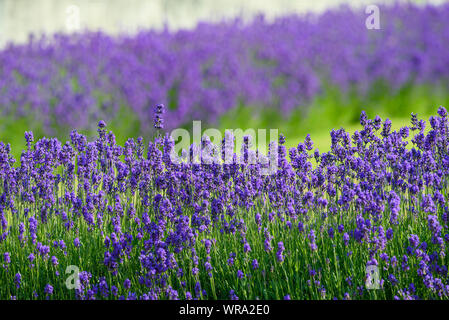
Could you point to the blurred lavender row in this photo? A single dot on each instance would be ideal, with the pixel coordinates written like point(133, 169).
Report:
point(73, 80)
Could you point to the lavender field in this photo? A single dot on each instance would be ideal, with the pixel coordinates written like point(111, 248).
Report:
point(93, 204)
point(142, 227)
point(62, 82)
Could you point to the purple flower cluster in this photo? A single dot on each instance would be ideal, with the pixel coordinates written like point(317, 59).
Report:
point(143, 227)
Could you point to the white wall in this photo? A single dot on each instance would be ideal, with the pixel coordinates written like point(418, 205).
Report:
point(18, 18)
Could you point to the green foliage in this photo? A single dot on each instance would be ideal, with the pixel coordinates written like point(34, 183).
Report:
point(332, 109)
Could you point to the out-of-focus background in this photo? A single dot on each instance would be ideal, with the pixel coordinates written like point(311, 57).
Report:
point(298, 65)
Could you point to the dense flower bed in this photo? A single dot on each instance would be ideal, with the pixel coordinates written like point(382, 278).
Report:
point(138, 226)
point(71, 81)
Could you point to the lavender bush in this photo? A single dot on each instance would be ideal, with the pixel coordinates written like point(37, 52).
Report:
point(71, 81)
point(138, 226)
